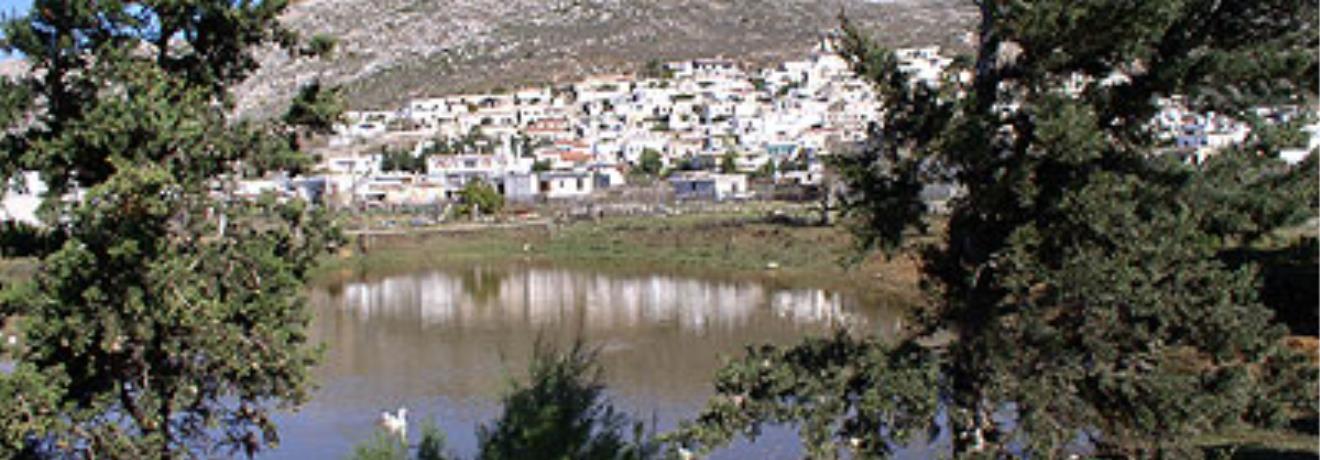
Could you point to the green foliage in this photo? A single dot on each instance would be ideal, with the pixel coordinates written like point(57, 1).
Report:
point(1288, 286)
point(19, 239)
point(481, 195)
point(316, 107)
point(166, 318)
point(858, 394)
point(401, 160)
point(433, 443)
point(766, 171)
point(885, 178)
point(561, 412)
point(729, 162)
point(320, 45)
point(656, 69)
point(788, 88)
point(474, 142)
point(381, 446)
point(760, 85)
point(541, 166)
point(651, 162)
point(1247, 195)
point(1083, 276)
point(525, 146)
point(384, 446)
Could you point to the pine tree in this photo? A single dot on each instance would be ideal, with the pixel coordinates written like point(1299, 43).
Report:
point(166, 317)
point(1082, 275)
point(561, 411)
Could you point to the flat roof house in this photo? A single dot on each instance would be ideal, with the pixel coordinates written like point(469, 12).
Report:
point(566, 184)
point(702, 185)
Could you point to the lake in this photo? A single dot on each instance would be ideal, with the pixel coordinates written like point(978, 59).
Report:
point(445, 343)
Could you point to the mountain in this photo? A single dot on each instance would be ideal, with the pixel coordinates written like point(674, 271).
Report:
point(393, 50)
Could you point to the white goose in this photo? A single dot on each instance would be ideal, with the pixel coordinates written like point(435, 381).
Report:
point(396, 424)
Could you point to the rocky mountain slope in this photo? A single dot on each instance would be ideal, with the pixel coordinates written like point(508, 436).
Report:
point(393, 50)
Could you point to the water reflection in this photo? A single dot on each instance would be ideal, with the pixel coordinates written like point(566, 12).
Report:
point(445, 343)
point(541, 298)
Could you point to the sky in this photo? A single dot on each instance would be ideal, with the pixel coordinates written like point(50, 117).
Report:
point(9, 7)
point(15, 6)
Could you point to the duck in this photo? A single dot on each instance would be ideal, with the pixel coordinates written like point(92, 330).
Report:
point(396, 424)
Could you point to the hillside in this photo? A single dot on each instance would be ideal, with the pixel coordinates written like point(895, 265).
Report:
point(393, 50)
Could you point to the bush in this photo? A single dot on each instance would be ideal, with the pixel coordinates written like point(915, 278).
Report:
point(381, 447)
point(562, 413)
point(650, 163)
point(486, 199)
point(387, 447)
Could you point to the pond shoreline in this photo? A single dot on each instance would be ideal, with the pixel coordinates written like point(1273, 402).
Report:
point(728, 246)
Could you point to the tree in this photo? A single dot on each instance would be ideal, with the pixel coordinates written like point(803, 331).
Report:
point(561, 412)
point(827, 195)
point(729, 162)
point(1082, 274)
point(884, 396)
point(401, 160)
point(651, 162)
point(657, 70)
point(316, 107)
point(166, 318)
point(480, 197)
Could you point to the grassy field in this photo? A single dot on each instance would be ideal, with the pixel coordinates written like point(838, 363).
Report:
point(725, 246)
point(16, 269)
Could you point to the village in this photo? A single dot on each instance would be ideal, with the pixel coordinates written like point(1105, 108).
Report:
point(708, 123)
point(659, 229)
point(698, 131)
point(708, 127)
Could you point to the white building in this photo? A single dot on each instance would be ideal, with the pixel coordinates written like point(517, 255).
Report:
point(922, 64)
point(702, 185)
point(565, 184)
point(23, 198)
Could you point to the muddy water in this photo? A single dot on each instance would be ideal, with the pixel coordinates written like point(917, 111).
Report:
point(445, 343)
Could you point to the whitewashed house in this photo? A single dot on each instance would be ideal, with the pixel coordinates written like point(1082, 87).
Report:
point(23, 198)
point(702, 185)
point(557, 185)
point(922, 64)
